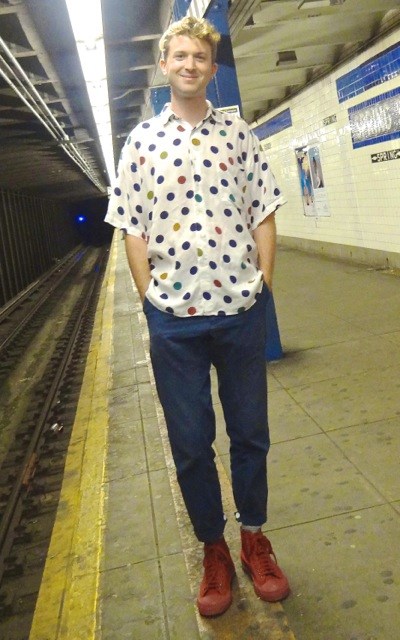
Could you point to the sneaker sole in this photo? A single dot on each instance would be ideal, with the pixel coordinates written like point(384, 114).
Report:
point(274, 598)
point(207, 612)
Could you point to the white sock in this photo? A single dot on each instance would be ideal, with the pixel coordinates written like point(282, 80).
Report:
point(246, 527)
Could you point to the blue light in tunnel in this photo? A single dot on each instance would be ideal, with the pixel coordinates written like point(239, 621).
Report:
point(80, 219)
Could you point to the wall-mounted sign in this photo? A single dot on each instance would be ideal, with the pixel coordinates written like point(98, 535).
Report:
point(376, 120)
point(330, 120)
point(234, 108)
point(383, 156)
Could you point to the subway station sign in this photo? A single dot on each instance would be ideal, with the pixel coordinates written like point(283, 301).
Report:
point(376, 120)
point(384, 156)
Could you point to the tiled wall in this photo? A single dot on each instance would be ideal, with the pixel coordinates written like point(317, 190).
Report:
point(361, 168)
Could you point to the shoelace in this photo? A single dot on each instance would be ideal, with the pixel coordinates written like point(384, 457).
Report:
point(263, 552)
point(213, 569)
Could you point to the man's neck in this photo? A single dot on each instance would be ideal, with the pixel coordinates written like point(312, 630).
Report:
point(192, 110)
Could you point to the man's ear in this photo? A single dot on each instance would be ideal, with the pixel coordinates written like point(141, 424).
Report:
point(163, 66)
point(215, 68)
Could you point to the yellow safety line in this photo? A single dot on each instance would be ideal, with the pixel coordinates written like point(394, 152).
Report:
point(67, 601)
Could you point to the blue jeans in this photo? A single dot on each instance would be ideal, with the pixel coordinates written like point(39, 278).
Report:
point(182, 351)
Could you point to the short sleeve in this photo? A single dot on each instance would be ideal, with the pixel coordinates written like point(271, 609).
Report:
point(126, 208)
point(263, 194)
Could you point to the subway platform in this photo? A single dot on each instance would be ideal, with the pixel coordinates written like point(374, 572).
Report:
point(123, 562)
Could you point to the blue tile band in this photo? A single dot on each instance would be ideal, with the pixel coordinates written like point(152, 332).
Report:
point(274, 125)
point(376, 70)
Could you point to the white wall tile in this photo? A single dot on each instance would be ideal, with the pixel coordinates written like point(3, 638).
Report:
point(364, 198)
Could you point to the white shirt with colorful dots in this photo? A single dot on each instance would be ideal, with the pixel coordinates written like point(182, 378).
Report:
point(195, 195)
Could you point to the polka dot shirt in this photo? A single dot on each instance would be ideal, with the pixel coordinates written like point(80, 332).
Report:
point(195, 195)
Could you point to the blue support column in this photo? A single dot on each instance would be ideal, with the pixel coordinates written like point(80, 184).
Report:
point(223, 91)
point(180, 8)
point(159, 96)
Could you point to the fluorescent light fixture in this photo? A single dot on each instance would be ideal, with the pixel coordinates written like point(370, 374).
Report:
point(316, 4)
point(87, 24)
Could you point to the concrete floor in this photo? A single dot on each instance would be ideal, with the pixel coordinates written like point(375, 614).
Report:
point(334, 508)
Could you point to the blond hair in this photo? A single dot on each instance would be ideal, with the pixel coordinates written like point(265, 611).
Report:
point(193, 28)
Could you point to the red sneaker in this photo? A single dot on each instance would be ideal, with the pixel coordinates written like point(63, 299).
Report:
point(215, 595)
point(258, 560)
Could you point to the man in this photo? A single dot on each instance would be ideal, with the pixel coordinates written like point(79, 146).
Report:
point(197, 203)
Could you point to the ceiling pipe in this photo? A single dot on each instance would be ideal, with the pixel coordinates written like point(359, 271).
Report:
point(21, 84)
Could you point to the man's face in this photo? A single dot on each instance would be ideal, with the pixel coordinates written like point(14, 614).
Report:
point(188, 66)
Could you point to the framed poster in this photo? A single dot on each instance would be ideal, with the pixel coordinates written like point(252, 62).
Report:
point(307, 191)
point(312, 181)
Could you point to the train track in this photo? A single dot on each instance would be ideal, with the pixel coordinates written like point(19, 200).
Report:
point(32, 469)
point(17, 318)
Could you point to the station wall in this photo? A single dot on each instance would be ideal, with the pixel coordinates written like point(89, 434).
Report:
point(34, 234)
point(349, 121)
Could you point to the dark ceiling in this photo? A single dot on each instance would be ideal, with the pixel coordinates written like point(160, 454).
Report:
point(48, 138)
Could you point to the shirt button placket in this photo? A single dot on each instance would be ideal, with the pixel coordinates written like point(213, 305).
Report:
point(196, 157)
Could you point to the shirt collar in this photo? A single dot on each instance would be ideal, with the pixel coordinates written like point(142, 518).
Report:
point(167, 114)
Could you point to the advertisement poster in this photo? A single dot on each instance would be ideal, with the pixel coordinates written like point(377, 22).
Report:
point(312, 182)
